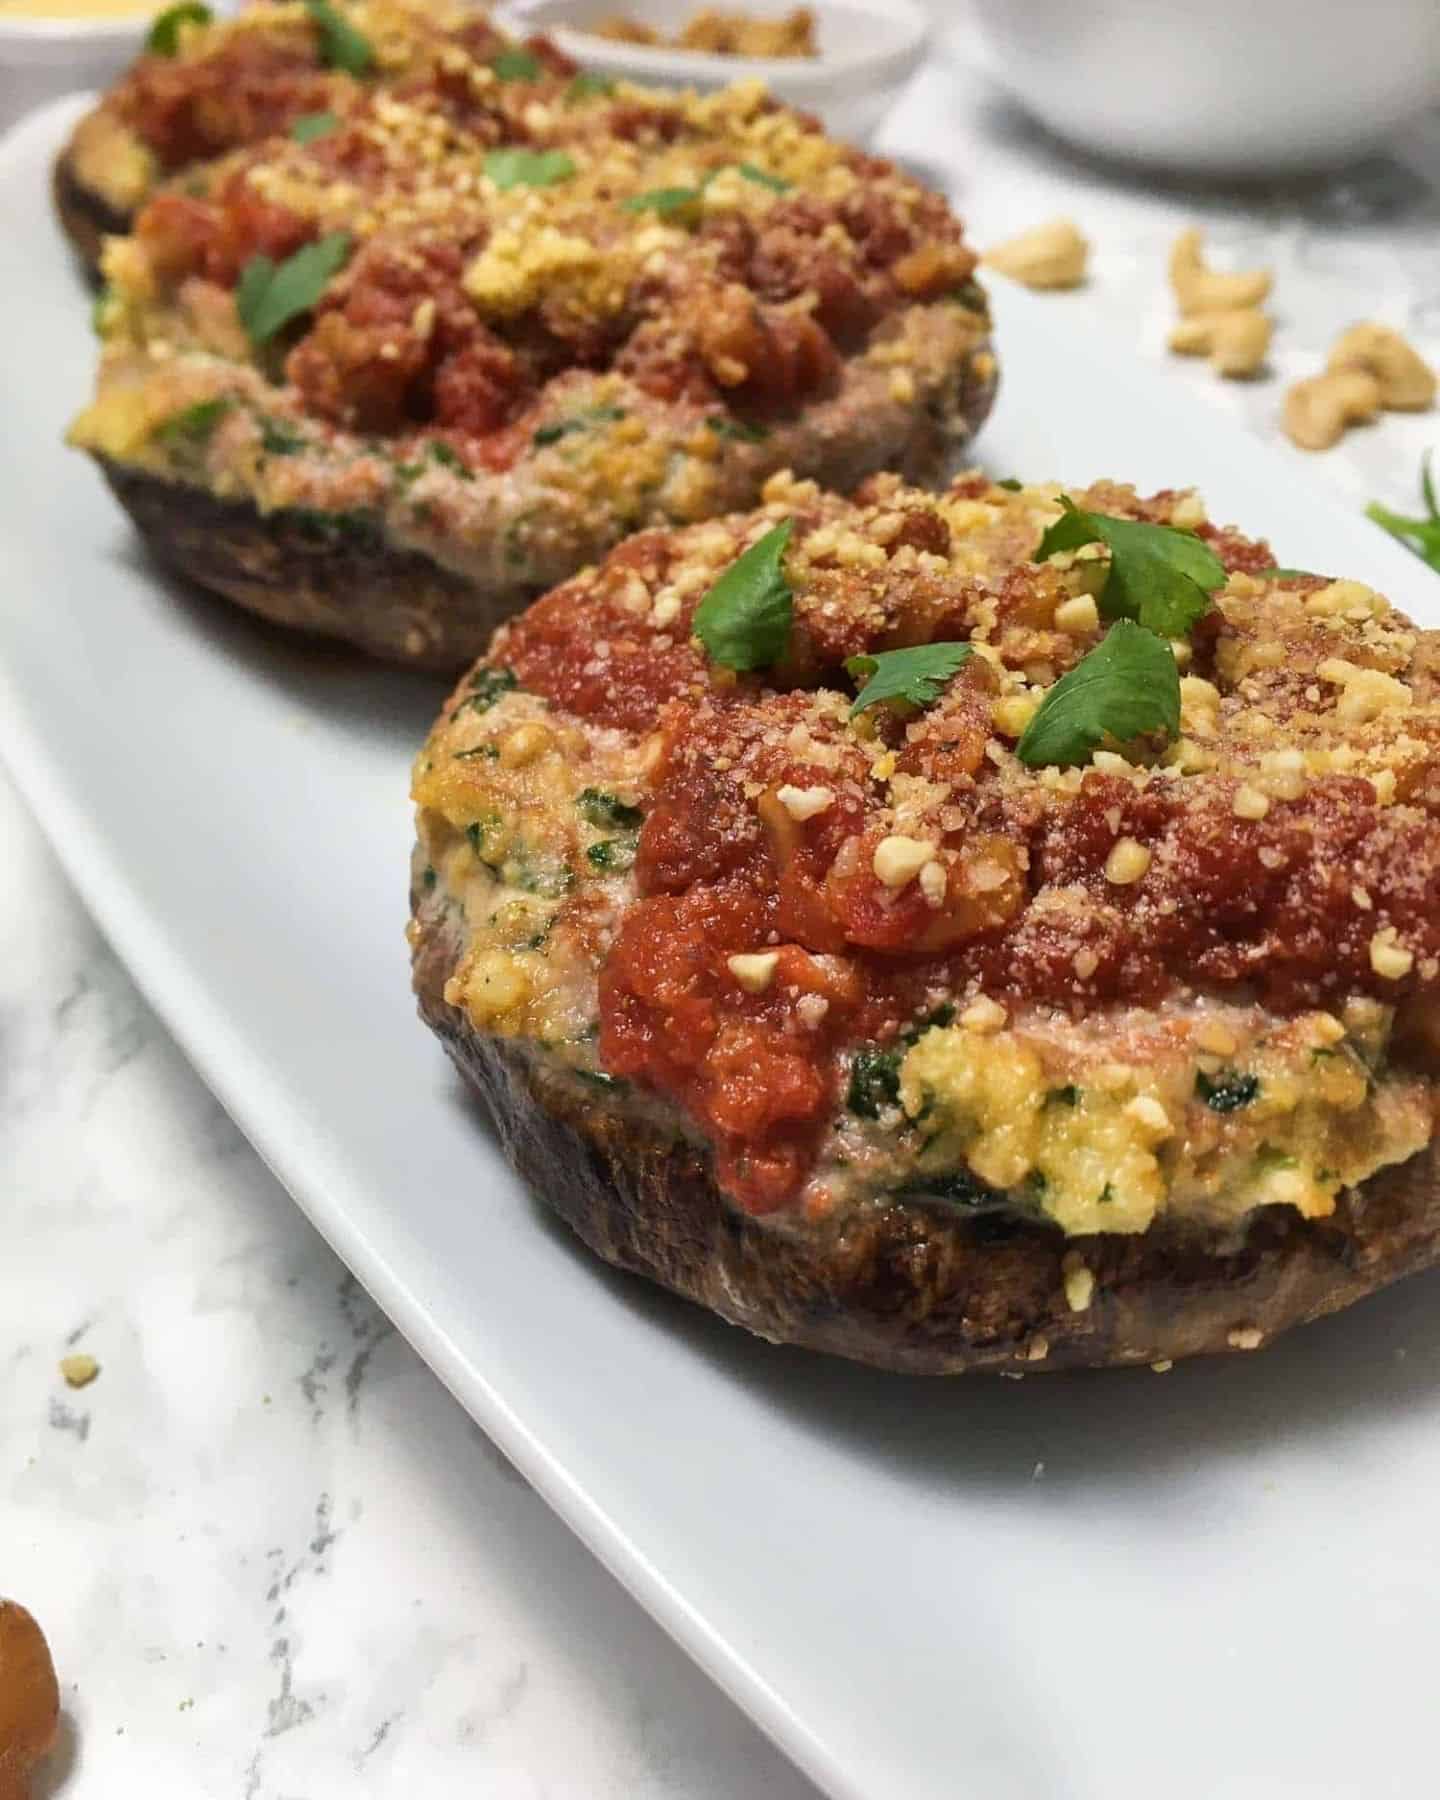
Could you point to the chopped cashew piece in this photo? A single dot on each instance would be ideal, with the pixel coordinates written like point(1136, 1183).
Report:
point(804, 803)
point(984, 1015)
point(1127, 862)
point(1199, 289)
point(79, 1369)
point(1235, 341)
point(898, 860)
point(755, 970)
point(1318, 412)
point(1407, 382)
point(1053, 255)
point(1389, 958)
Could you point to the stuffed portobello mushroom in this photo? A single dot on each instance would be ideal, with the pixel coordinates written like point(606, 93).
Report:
point(206, 86)
point(391, 381)
point(996, 929)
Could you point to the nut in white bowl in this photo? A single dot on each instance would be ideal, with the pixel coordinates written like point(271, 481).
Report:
point(869, 49)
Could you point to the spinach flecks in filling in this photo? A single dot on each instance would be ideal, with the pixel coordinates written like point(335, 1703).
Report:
point(1227, 1092)
point(362, 530)
point(740, 431)
point(602, 809)
point(875, 1070)
point(279, 439)
point(488, 686)
point(874, 1081)
point(582, 421)
point(612, 855)
point(194, 424)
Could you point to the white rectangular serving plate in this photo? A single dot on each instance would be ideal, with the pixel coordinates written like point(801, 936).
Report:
point(1220, 1583)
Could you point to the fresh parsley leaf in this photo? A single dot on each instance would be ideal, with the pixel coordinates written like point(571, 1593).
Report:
point(777, 184)
point(310, 126)
point(193, 424)
point(918, 675)
point(740, 431)
point(1228, 1092)
point(517, 64)
point(582, 421)
point(448, 458)
point(665, 200)
point(516, 167)
point(341, 45)
point(1159, 576)
point(1128, 684)
point(601, 809)
point(1011, 485)
point(1276, 573)
point(744, 620)
point(487, 686)
point(269, 294)
point(164, 35)
point(1420, 535)
point(587, 85)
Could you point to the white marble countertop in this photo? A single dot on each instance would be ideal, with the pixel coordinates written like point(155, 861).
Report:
point(274, 1559)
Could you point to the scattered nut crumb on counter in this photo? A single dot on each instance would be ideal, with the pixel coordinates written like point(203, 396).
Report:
point(79, 1369)
point(1053, 255)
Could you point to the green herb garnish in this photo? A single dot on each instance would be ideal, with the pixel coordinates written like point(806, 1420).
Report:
point(1127, 685)
point(601, 809)
point(1276, 573)
point(588, 85)
point(269, 294)
point(341, 45)
point(517, 64)
point(741, 431)
point(516, 167)
point(582, 421)
point(665, 200)
point(164, 34)
point(1420, 535)
point(777, 184)
point(193, 424)
point(310, 126)
point(1160, 576)
point(1228, 1092)
point(744, 620)
point(917, 676)
point(1011, 485)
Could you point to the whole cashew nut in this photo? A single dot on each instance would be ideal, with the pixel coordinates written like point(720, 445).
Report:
point(1318, 412)
point(1235, 341)
point(1200, 289)
point(1053, 255)
point(1407, 382)
point(29, 1699)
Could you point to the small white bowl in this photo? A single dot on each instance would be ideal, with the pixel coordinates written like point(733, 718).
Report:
point(869, 49)
point(41, 58)
point(1218, 87)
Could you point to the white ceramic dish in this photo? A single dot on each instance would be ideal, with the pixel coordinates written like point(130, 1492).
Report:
point(40, 58)
point(1222, 1584)
point(869, 49)
point(1219, 87)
